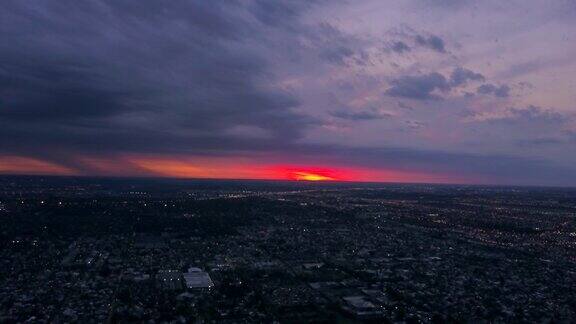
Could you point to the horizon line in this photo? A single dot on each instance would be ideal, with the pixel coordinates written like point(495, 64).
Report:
point(150, 177)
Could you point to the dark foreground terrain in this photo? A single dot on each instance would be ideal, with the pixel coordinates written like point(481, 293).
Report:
point(134, 250)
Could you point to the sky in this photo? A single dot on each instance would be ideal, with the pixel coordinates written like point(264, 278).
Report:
point(441, 91)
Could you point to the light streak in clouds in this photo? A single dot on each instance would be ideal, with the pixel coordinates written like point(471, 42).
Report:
point(25, 165)
point(201, 167)
point(171, 168)
point(216, 168)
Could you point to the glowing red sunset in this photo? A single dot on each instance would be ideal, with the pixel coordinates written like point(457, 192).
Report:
point(215, 168)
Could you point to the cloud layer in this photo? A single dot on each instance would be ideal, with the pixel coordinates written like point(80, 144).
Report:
point(300, 82)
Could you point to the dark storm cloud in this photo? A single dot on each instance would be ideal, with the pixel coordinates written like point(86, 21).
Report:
point(119, 75)
point(38, 92)
point(432, 42)
point(460, 76)
point(502, 91)
point(419, 87)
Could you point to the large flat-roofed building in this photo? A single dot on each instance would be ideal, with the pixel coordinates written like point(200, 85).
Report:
point(195, 278)
point(360, 307)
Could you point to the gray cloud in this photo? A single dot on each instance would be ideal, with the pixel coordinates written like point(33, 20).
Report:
point(278, 13)
point(541, 141)
point(450, 4)
point(419, 87)
point(535, 113)
point(336, 47)
point(530, 118)
point(337, 55)
point(432, 42)
point(460, 76)
point(502, 91)
point(399, 47)
point(368, 114)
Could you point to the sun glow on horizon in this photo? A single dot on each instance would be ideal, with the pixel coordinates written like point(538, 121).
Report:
point(310, 174)
point(307, 176)
point(217, 168)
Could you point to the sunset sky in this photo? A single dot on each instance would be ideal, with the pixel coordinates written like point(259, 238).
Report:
point(443, 91)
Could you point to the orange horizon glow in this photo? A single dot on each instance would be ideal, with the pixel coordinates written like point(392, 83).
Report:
point(216, 168)
point(24, 165)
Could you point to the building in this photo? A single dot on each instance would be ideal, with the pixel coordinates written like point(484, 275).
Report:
point(195, 278)
point(361, 308)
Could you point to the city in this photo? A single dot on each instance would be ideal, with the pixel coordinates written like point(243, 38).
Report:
point(157, 250)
